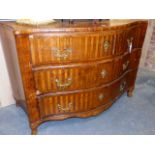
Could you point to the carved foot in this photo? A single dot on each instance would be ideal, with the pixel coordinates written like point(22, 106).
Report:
point(130, 92)
point(34, 131)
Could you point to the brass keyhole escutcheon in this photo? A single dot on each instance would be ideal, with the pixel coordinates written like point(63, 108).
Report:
point(122, 86)
point(103, 73)
point(106, 45)
point(101, 97)
point(125, 65)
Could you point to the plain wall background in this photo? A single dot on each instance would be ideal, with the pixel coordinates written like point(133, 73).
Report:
point(6, 97)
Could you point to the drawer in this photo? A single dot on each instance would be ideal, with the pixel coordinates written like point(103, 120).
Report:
point(121, 65)
point(136, 36)
point(73, 102)
point(130, 39)
point(72, 77)
point(119, 87)
point(51, 48)
point(121, 42)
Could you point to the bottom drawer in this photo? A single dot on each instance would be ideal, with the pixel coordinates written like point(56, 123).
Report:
point(73, 102)
point(119, 87)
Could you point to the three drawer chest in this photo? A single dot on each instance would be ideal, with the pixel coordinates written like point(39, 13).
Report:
point(62, 70)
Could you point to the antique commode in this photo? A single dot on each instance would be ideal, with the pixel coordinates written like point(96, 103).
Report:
point(62, 70)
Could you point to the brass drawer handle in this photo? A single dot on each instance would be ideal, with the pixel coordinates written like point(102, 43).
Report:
point(130, 42)
point(106, 45)
point(122, 86)
point(101, 97)
point(62, 86)
point(61, 108)
point(125, 65)
point(62, 54)
point(103, 73)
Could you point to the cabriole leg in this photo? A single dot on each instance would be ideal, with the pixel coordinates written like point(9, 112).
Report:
point(34, 128)
point(34, 131)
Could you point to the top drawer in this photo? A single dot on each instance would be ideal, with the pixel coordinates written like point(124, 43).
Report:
point(48, 48)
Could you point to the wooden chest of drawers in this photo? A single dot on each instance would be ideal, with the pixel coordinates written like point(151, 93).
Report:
point(71, 70)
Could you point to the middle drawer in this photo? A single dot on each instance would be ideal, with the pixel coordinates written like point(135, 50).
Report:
point(72, 77)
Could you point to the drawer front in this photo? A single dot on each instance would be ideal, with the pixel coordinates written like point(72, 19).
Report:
point(121, 65)
point(121, 43)
point(119, 87)
point(71, 103)
point(130, 39)
point(66, 78)
point(136, 36)
point(60, 48)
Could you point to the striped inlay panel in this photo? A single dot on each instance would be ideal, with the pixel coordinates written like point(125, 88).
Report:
point(75, 102)
point(71, 48)
point(138, 34)
point(81, 77)
point(121, 65)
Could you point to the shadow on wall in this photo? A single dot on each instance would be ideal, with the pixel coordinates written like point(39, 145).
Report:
point(8, 78)
point(6, 97)
point(149, 47)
